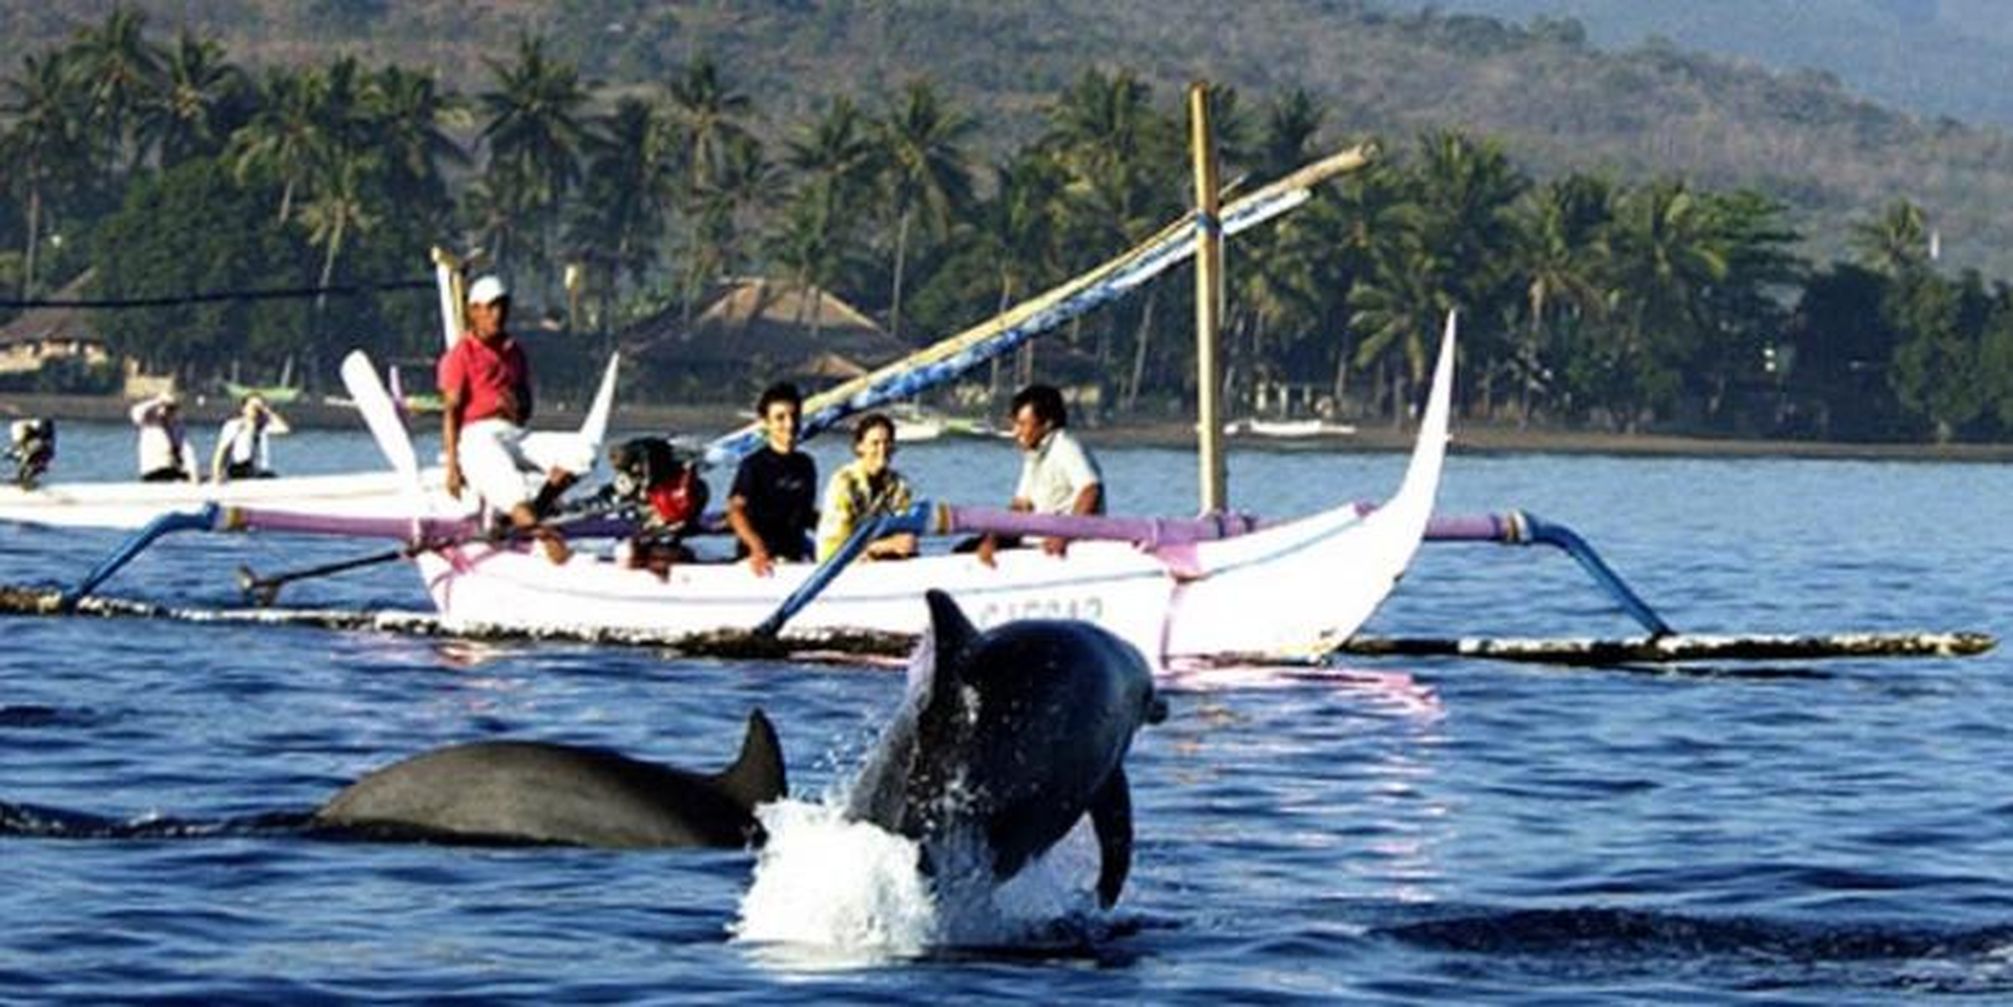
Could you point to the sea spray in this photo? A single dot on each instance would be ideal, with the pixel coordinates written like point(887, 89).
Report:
point(838, 892)
point(823, 880)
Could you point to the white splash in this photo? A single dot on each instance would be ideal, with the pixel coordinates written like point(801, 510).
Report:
point(829, 892)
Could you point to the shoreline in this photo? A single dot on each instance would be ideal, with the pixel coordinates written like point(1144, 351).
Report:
point(1469, 438)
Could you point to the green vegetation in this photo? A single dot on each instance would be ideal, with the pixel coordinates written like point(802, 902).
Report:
point(1591, 296)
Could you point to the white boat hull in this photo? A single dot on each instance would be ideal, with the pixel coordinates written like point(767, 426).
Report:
point(129, 505)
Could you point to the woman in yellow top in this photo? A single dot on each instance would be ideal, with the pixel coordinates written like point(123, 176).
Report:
point(864, 488)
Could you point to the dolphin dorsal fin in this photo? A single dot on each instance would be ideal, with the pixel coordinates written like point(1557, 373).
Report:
point(950, 631)
point(756, 777)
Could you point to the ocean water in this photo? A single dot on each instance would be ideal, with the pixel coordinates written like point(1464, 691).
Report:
point(1440, 830)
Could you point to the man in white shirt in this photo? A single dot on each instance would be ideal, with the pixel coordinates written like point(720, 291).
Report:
point(1058, 474)
point(165, 452)
point(241, 444)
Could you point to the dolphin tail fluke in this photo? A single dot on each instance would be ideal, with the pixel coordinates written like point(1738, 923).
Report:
point(1111, 817)
point(756, 777)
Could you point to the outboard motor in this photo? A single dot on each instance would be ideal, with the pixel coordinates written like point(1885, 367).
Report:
point(31, 447)
point(665, 495)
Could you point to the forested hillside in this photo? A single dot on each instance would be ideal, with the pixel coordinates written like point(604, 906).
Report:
point(1932, 57)
point(1556, 102)
point(1644, 238)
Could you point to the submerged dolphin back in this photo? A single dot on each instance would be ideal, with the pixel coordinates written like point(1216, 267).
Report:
point(538, 792)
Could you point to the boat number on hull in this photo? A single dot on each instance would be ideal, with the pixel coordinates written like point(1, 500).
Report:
point(1087, 608)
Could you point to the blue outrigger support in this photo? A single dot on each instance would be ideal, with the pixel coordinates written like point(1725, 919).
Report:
point(1519, 528)
point(203, 518)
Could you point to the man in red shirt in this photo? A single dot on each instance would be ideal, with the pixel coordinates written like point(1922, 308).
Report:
point(486, 382)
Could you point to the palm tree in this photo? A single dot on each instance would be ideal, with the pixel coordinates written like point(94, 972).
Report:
point(1287, 136)
point(286, 135)
point(122, 70)
point(1667, 255)
point(706, 120)
point(44, 144)
point(1120, 156)
point(1359, 219)
point(628, 187)
point(833, 160)
point(1394, 308)
point(1896, 243)
point(1118, 152)
point(927, 173)
point(410, 119)
point(338, 210)
point(1465, 191)
point(535, 134)
point(203, 98)
point(1561, 231)
point(1285, 272)
point(1016, 235)
point(743, 188)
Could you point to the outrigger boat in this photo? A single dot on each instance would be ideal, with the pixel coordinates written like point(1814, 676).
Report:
point(1294, 589)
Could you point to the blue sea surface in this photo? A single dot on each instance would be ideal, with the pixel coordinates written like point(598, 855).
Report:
point(1444, 830)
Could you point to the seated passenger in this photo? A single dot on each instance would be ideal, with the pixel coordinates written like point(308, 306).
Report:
point(773, 505)
point(1058, 475)
point(242, 449)
point(863, 489)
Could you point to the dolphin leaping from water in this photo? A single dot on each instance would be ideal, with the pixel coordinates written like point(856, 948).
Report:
point(1011, 736)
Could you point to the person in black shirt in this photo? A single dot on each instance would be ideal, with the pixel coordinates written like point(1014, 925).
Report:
point(773, 504)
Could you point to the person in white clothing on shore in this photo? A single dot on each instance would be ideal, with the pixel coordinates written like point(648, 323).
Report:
point(242, 451)
point(165, 452)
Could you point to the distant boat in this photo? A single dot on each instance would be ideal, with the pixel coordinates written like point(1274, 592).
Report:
point(1288, 429)
point(912, 427)
point(280, 393)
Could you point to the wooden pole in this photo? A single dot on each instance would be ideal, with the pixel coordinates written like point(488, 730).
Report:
point(453, 298)
point(1208, 303)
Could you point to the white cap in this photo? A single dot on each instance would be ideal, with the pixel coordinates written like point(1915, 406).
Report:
point(487, 289)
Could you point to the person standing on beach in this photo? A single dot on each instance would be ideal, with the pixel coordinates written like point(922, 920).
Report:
point(772, 506)
point(242, 451)
point(1058, 474)
point(485, 382)
point(165, 452)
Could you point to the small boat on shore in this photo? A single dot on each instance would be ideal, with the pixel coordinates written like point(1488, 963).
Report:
point(1288, 429)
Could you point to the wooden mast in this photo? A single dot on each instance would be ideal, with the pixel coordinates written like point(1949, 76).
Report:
point(1208, 303)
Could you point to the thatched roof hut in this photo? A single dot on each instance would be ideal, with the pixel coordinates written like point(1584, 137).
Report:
point(752, 331)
